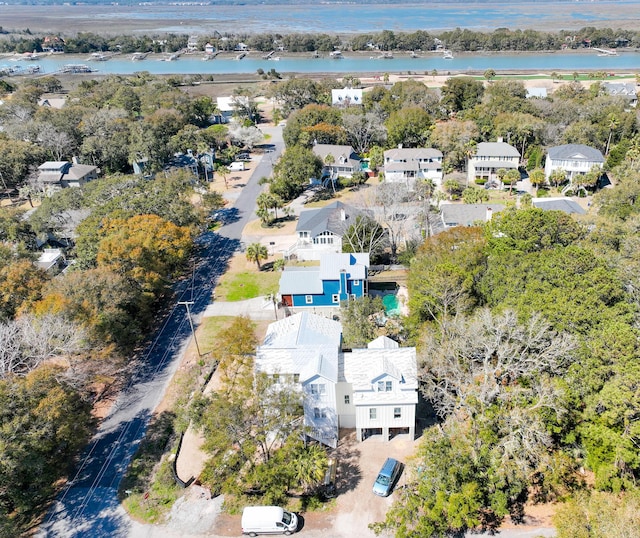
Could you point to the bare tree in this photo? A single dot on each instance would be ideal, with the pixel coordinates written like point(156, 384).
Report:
point(29, 341)
point(364, 130)
point(246, 136)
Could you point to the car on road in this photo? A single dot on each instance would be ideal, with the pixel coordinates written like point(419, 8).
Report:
point(243, 157)
point(387, 477)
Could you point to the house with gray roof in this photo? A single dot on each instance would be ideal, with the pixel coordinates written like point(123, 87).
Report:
point(55, 175)
point(320, 230)
point(338, 160)
point(560, 203)
point(374, 390)
point(627, 90)
point(406, 165)
point(340, 276)
point(489, 158)
point(574, 159)
point(468, 214)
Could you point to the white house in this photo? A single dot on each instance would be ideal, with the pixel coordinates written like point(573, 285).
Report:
point(574, 159)
point(626, 90)
point(338, 160)
point(346, 97)
point(373, 390)
point(489, 158)
point(405, 165)
point(320, 230)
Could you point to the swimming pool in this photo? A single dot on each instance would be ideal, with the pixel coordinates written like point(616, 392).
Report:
point(391, 304)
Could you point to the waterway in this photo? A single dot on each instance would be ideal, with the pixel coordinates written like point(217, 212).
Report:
point(627, 62)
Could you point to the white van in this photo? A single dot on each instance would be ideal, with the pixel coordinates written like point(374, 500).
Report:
point(237, 166)
point(268, 520)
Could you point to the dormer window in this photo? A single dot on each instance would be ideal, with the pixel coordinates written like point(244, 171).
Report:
point(385, 386)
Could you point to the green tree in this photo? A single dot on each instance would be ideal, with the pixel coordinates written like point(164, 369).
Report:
point(408, 127)
point(537, 178)
point(461, 93)
point(257, 252)
point(489, 75)
point(293, 172)
point(358, 320)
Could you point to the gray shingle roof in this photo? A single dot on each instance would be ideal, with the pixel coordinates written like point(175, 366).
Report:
point(467, 214)
point(496, 149)
point(576, 152)
point(328, 218)
point(567, 205)
point(413, 154)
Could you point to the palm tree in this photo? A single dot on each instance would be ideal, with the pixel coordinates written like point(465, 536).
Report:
point(613, 125)
point(558, 176)
point(224, 172)
point(512, 177)
point(257, 252)
point(309, 465)
point(537, 178)
point(490, 74)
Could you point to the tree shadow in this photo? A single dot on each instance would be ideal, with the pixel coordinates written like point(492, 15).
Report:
point(349, 474)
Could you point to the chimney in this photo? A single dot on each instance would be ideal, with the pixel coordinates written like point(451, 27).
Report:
point(343, 215)
point(489, 214)
point(500, 139)
point(399, 146)
point(74, 160)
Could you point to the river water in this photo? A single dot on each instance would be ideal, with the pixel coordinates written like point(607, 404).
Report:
point(627, 61)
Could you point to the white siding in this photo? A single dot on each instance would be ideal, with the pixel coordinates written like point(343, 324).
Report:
point(384, 416)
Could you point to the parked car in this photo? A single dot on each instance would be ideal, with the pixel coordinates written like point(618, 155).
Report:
point(387, 477)
point(268, 520)
point(243, 157)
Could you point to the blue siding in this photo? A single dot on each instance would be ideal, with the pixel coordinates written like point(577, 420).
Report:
point(330, 288)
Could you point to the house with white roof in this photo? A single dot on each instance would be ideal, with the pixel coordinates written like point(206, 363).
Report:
point(374, 390)
point(320, 230)
point(340, 276)
point(626, 90)
point(346, 97)
point(574, 159)
point(489, 158)
point(338, 160)
point(406, 165)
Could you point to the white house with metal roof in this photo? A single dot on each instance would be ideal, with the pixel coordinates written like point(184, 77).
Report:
point(406, 165)
point(373, 390)
point(574, 159)
point(489, 158)
point(346, 97)
point(626, 90)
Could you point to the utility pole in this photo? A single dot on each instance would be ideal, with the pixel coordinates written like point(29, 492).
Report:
point(187, 304)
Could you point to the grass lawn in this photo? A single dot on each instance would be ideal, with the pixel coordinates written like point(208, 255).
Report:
point(247, 285)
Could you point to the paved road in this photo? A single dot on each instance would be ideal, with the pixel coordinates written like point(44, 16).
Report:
point(89, 506)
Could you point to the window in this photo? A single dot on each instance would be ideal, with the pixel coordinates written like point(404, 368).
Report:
point(308, 299)
point(385, 386)
point(296, 378)
point(335, 298)
point(316, 412)
point(353, 296)
point(347, 399)
point(373, 413)
point(317, 388)
point(276, 378)
point(397, 412)
point(356, 282)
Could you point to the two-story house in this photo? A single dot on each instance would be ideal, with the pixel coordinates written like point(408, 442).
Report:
point(467, 214)
point(346, 97)
point(406, 165)
point(320, 230)
point(489, 158)
point(373, 390)
point(340, 276)
point(574, 159)
point(338, 160)
point(56, 175)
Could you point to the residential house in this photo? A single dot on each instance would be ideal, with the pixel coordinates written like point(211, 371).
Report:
point(338, 160)
point(241, 47)
point(192, 43)
point(56, 175)
point(373, 390)
point(627, 90)
point(468, 214)
point(346, 97)
point(227, 107)
point(51, 260)
point(338, 277)
point(537, 92)
point(560, 203)
point(406, 165)
point(489, 158)
point(53, 43)
point(209, 48)
point(321, 230)
point(574, 159)
point(50, 102)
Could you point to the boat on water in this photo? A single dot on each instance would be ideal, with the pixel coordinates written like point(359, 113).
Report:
point(413, 54)
point(241, 55)
point(447, 55)
point(170, 58)
point(98, 57)
point(606, 52)
point(77, 68)
point(138, 56)
point(336, 55)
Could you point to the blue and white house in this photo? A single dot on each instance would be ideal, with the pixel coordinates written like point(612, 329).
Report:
point(374, 390)
point(339, 277)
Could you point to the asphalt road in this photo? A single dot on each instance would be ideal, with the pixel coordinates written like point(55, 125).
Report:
point(88, 506)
